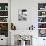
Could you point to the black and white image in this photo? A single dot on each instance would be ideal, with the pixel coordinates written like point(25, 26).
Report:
point(22, 15)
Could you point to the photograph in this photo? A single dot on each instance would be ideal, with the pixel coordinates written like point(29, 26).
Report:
point(22, 15)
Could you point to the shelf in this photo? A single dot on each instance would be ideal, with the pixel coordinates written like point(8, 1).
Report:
point(41, 22)
point(42, 16)
point(41, 10)
point(41, 28)
point(42, 19)
point(4, 19)
point(3, 22)
point(3, 16)
point(3, 10)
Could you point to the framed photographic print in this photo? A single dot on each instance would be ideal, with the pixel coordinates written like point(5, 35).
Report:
point(22, 15)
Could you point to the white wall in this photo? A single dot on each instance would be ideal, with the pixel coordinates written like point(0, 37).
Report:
point(32, 7)
point(32, 12)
